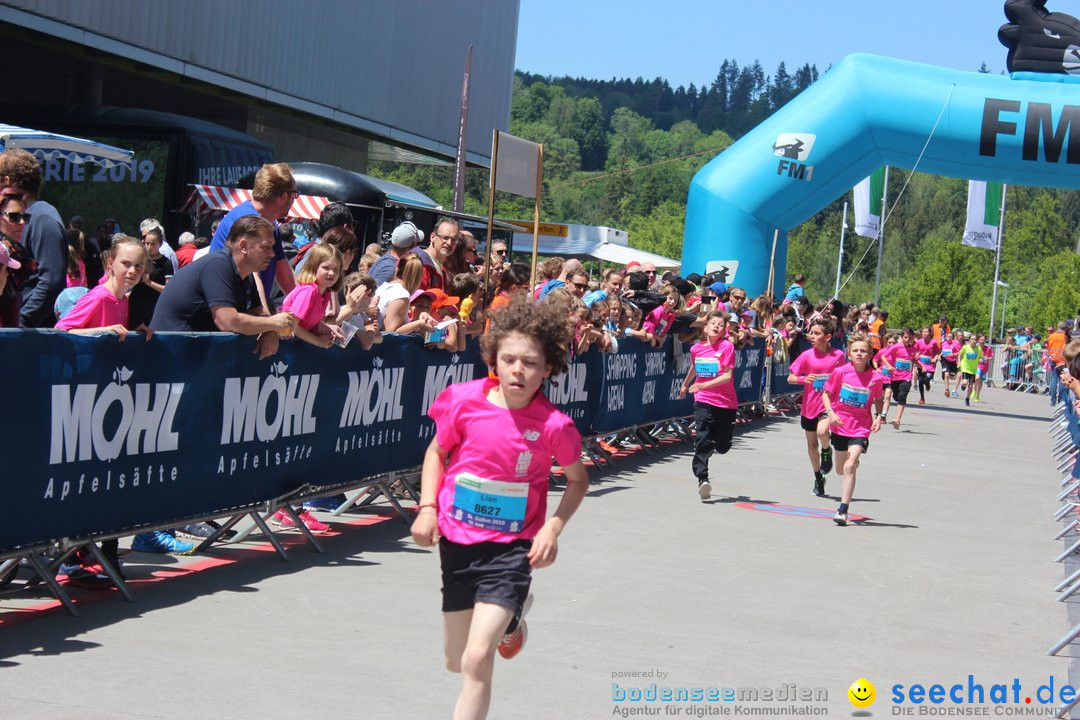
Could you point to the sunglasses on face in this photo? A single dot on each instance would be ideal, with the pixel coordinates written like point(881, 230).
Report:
point(580, 286)
point(499, 252)
point(17, 217)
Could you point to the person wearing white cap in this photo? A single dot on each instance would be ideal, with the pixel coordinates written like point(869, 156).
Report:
point(405, 237)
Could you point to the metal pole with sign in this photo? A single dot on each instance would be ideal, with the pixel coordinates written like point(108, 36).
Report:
point(997, 261)
point(840, 259)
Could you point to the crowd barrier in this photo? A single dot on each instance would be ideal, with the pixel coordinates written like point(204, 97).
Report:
point(1065, 436)
point(1014, 368)
point(105, 437)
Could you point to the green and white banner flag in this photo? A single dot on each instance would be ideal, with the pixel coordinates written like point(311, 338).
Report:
point(868, 204)
point(983, 214)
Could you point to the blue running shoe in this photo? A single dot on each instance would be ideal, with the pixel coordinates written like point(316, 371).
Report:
point(160, 542)
point(325, 504)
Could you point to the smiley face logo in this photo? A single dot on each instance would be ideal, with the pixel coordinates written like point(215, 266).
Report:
point(862, 693)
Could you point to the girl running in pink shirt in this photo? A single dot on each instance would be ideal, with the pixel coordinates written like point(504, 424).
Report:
point(484, 486)
point(928, 351)
point(900, 359)
point(811, 370)
point(849, 394)
point(715, 402)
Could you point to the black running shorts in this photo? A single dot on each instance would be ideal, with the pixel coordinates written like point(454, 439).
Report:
point(810, 424)
point(490, 572)
point(841, 442)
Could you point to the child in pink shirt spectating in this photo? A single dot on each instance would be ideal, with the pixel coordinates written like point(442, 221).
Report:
point(853, 399)
point(320, 277)
point(659, 321)
point(484, 486)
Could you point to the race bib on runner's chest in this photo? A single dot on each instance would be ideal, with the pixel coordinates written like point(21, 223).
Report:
point(903, 365)
point(924, 359)
point(819, 382)
point(707, 368)
point(490, 504)
point(972, 356)
point(853, 396)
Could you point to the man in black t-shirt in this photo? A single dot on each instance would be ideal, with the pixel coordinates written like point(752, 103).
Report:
point(217, 292)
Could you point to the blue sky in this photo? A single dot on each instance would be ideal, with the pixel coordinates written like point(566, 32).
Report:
point(684, 41)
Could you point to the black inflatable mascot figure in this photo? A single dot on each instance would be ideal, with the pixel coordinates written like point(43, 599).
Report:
point(1039, 40)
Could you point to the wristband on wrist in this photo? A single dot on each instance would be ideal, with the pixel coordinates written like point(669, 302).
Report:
point(433, 506)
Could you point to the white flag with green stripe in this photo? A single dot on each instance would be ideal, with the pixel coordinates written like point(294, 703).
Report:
point(868, 204)
point(983, 214)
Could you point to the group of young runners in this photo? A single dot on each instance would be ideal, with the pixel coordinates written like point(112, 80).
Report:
point(484, 481)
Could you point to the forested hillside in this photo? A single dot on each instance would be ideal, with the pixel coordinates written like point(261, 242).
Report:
point(622, 153)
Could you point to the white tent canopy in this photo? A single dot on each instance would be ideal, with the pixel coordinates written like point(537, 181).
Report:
point(52, 146)
point(595, 241)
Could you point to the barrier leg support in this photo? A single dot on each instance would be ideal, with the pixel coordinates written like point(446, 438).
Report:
point(1071, 549)
point(1067, 529)
point(220, 532)
point(291, 512)
point(1067, 581)
point(45, 573)
point(113, 573)
point(257, 517)
point(1064, 641)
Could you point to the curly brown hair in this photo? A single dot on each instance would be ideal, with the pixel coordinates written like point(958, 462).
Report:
point(23, 168)
point(546, 322)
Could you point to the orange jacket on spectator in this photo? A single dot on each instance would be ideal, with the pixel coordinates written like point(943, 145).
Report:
point(937, 330)
point(1055, 346)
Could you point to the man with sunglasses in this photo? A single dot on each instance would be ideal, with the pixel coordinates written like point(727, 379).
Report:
point(43, 237)
point(272, 196)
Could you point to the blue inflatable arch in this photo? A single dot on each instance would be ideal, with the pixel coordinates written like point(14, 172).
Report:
point(866, 112)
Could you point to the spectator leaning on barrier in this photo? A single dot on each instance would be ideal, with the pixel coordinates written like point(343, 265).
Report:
point(271, 198)
point(393, 298)
point(403, 239)
point(44, 237)
point(218, 293)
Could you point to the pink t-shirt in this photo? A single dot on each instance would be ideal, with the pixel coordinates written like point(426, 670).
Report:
point(80, 279)
point(925, 352)
point(495, 486)
point(307, 304)
point(97, 308)
point(816, 367)
point(852, 395)
point(659, 321)
point(950, 351)
point(711, 361)
point(902, 358)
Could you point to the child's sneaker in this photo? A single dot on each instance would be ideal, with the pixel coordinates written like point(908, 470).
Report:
point(282, 519)
point(160, 542)
point(704, 489)
point(840, 518)
point(512, 642)
point(826, 460)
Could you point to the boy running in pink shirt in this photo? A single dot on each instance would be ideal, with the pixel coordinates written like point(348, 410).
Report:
point(811, 370)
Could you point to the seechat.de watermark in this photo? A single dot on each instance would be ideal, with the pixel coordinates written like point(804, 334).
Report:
point(973, 699)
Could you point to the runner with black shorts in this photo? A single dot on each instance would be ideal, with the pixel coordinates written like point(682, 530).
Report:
point(484, 486)
point(852, 395)
point(812, 369)
point(900, 358)
point(950, 353)
point(928, 350)
point(970, 357)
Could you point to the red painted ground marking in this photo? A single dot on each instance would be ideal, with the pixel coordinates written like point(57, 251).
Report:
point(82, 596)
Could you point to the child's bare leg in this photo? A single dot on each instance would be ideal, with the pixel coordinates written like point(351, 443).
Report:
point(489, 622)
point(455, 634)
point(850, 465)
